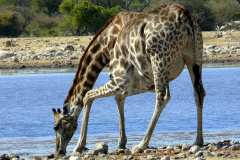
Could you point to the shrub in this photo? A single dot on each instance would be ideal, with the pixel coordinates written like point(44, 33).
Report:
point(11, 22)
point(225, 11)
point(85, 17)
point(43, 25)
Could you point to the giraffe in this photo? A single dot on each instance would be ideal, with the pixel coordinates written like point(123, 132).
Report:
point(93, 60)
point(145, 52)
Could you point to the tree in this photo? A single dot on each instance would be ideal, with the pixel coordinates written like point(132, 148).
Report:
point(198, 8)
point(53, 6)
point(85, 17)
point(11, 22)
point(224, 11)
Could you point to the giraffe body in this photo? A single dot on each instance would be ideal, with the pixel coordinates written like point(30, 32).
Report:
point(145, 51)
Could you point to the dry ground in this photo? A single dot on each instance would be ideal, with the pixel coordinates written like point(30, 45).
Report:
point(34, 45)
point(210, 39)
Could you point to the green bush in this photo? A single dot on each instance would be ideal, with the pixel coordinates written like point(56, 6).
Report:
point(198, 8)
point(79, 17)
point(85, 17)
point(11, 23)
point(43, 25)
point(136, 5)
point(202, 12)
point(224, 11)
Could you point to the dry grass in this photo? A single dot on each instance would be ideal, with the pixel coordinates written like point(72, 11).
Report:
point(210, 39)
point(37, 44)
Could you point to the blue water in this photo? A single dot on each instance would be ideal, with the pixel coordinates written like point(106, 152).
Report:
point(26, 120)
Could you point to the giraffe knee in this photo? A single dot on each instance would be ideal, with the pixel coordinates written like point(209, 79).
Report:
point(87, 99)
point(163, 94)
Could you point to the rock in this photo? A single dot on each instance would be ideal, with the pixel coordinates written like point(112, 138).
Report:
point(37, 158)
point(211, 154)
point(82, 48)
point(120, 151)
point(185, 147)
point(149, 151)
point(226, 155)
point(177, 147)
point(177, 151)
point(59, 53)
point(4, 157)
point(51, 156)
point(219, 154)
point(209, 47)
point(16, 60)
point(74, 158)
point(199, 154)
point(128, 157)
point(69, 48)
point(212, 147)
point(194, 149)
point(6, 54)
point(235, 147)
point(101, 148)
point(10, 43)
point(182, 155)
point(14, 156)
point(165, 158)
point(225, 147)
point(35, 57)
point(101, 155)
point(235, 142)
point(219, 145)
point(169, 148)
point(151, 157)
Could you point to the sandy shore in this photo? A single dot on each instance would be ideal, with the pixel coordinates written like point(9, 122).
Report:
point(64, 52)
point(213, 151)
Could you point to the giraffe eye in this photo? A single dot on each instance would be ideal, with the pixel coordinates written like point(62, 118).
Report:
point(56, 127)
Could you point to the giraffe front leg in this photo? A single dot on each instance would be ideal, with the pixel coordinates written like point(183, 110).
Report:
point(83, 133)
point(123, 138)
point(108, 89)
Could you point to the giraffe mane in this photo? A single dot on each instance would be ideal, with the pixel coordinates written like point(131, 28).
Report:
point(75, 81)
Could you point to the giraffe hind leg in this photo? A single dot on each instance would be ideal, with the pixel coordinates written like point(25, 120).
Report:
point(195, 72)
point(162, 91)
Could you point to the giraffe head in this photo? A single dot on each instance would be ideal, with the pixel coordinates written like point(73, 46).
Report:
point(64, 126)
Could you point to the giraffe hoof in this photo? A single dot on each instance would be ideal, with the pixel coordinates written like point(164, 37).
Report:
point(138, 149)
point(78, 152)
point(199, 142)
point(122, 146)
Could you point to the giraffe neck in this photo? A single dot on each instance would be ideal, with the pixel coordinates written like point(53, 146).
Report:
point(90, 66)
point(94, 59)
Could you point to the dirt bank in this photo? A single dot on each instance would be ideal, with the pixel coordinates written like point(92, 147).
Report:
point(64, 52)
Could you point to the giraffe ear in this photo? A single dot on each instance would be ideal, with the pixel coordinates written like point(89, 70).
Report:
point(65, 111)
point(59, 110)
point(54, 110)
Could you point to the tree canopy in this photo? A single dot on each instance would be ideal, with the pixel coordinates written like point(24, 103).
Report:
point(81, 17)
